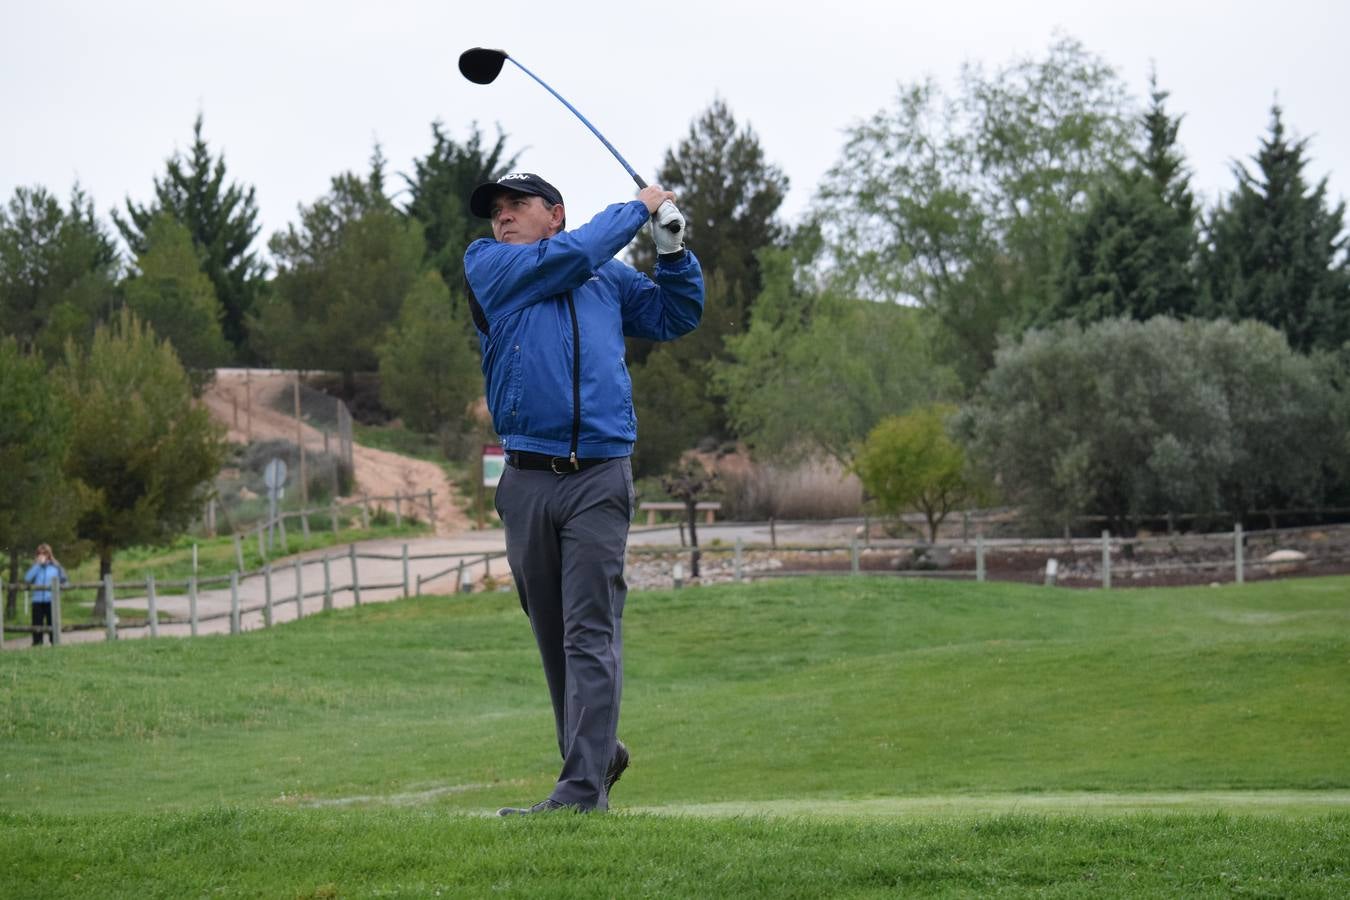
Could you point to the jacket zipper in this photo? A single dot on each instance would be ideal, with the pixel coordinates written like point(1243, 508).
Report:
point(576, 381)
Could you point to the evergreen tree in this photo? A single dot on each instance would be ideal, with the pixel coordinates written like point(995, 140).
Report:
point(730, 196)
point(1133, 251)
point(58, 270)
point(1277, 253)
point(172, 295)
point(222, 220)
point(342, 277)
point(440, 187)
point(143, 450)
point(429, 363)
point(36, 501)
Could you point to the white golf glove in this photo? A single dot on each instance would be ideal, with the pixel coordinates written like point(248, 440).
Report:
point(667, 240)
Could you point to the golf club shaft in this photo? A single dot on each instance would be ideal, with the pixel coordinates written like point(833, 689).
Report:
point(623, 162)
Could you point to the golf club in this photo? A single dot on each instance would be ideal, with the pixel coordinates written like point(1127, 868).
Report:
point(482, 66)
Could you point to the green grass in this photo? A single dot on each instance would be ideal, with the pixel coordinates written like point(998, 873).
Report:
point(821, 736)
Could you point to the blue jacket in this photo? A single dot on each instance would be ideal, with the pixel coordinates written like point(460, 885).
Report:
point(552, 317)
point(42, 575)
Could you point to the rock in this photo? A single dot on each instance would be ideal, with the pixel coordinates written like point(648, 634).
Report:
point(1282, 561)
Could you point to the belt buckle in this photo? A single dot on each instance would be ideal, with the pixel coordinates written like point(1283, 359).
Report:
point(553, 466)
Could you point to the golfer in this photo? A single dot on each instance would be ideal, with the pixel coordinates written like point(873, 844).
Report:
point(552, 308)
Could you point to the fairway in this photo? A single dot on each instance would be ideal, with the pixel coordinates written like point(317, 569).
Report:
point(935, 738)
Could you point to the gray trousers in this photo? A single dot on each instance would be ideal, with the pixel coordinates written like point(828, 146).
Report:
point(565, 541)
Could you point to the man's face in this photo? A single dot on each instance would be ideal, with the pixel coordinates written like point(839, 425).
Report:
point(523, 218)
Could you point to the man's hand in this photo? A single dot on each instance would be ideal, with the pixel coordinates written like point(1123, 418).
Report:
point(668, 228)
point(653, 196)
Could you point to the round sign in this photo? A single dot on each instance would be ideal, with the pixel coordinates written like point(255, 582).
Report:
point(274, 476)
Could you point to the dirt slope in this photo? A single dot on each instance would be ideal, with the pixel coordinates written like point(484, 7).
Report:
point(244, 403)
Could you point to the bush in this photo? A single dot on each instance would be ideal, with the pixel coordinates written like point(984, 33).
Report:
point(1129, 420)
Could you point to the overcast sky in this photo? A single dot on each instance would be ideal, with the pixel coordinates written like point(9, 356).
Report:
point(295, 91)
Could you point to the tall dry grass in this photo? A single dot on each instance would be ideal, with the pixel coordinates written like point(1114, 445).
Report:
point(814, 489)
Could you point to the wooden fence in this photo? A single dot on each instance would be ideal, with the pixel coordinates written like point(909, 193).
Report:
point(274, 594)
point(1225, 556)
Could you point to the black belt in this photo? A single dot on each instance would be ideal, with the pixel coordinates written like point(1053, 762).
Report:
point(558, 465)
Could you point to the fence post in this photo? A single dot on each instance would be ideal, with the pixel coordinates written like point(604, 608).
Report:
point(56, 613)
point(299, 590)
point(405, 570)
point(979, 557)
point(109, 616)
point(304, 523)
point(267, 595)
point(737, 564)
point(192, 604)
point(459, 577)
point(1237, 552)
point(332, 516)
point(261, 551)
point(365, 511)
point(285, 544)
point(431, 510)
point(773, 534)
point(398, 509)
point(152, 604)
point(238, 553)
point(327, 585)
point(853, 556)
point(356, 579)
point(235, 625)
point(1106, 560)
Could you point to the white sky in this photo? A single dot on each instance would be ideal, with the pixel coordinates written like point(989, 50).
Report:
point(295, 91)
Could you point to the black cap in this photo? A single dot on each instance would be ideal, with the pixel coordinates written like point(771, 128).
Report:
point(480, 201)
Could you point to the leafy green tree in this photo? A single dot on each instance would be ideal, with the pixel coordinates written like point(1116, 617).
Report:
point(429, 363)
point(817, 369)
point(58, 270)
point(911, 462)
point(1277, 252)
point(37, 503)
point(1132, 420)
point(1133, 252)
point(141, 447)
point(440, 187)
point(342, 277)
point(222, 219)
point(172, 295)
point(962, 204)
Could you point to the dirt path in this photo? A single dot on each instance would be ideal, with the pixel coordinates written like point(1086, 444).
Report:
point(246, 403)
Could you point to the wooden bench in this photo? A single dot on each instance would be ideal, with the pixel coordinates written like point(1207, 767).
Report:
point(710, 507)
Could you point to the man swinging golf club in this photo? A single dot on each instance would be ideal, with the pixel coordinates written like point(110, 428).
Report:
point(552, 308)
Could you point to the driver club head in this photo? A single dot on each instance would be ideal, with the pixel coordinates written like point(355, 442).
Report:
point(480, 65)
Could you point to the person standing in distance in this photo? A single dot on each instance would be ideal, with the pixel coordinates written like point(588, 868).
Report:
point(552, 308)
point(44, 572)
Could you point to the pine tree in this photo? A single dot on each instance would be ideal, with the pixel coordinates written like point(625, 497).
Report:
point(142, 449)
point(58, 270)
point(730, 196)
point(1277, 253)
point(342, 277)
point(222, 220)
point(440, 187)
point(173, 296)
point(1133, 251)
